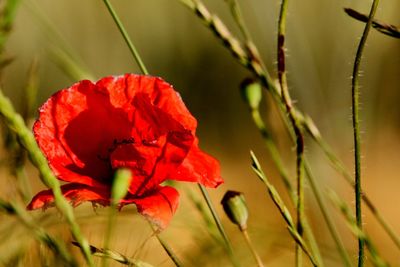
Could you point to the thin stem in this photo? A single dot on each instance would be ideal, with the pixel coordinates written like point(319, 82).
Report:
point(276, 158)
point(338, 165)
point(217, 220)
point(295, 124)
point(238, 17)
point(329, 222)
point(128, 41)
point(167, 248)
point(352, 223)
point(16, 123)
point(282, 208)
point(273, 151)
point(355, 93)
point(252, 249)
point(169, 251)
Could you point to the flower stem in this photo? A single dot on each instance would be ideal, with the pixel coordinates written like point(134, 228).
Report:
point(217, 220)
point(16, 123)
point(203, 190)
point(127, 39)
point(355, 92)
point(250, 244)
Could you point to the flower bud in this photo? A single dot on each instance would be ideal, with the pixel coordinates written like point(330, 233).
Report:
point(251, 92)
point(122, 180)
point(235, 208)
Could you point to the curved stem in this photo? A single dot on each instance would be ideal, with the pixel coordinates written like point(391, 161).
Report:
point(355, 91)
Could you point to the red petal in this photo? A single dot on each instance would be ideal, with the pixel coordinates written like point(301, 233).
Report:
point(160, 206)
point(122, 90)
point(199, 167)
point(75, 128)
point(75, 193)
point(165, 144)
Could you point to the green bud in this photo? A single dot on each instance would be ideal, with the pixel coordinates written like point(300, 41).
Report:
point(122, 180)
point(235, 208)
point(251, 92)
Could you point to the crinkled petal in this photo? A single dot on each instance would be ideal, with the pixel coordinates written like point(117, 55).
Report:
point(74, 193)
point(199, 167)
point(165, 144)
point(160, 206)
point(123, 89)
point(75, 129)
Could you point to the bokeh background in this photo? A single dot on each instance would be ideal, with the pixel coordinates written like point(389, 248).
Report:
point(175, 45)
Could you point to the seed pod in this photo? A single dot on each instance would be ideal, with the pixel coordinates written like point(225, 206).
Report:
point(235, 207)
point(251, 92)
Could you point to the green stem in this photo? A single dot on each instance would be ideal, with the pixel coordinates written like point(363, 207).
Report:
point(170, 252)
point(251, 247)
point(16, 123)
point(282, 208)
point(277, 159)
point(338, 165)
point(352, 223)
point(329, 222)
point(238, 17)
point(295, 124)
point(167, 248)
point(124, 33)
point(217, 220)
point(355, 92)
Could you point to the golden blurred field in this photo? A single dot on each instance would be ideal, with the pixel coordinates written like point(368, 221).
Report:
point(175, 45)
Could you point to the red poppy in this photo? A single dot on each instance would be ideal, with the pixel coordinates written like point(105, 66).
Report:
point(88, 130)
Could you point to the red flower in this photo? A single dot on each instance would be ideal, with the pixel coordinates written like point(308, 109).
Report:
point(87, 131)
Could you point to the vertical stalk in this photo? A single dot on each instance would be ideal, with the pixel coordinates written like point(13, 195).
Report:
point(355, 92)
point(295, 123)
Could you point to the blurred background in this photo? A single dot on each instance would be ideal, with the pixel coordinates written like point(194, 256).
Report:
point(175, 45)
